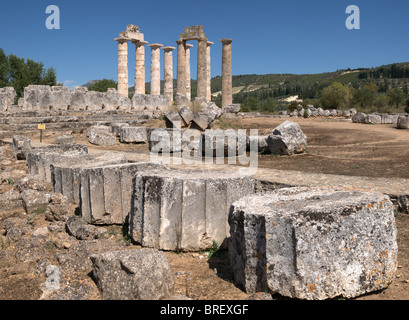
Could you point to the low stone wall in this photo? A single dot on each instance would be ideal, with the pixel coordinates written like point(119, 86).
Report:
point(62, 98)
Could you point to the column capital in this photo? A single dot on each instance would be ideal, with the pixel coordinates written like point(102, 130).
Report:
point(139, 43)
point(188, 45)
point(209, 43)
point(155, 45)
point(179, 42)
point(168, 49)
point(121, 40)
point(226, 41)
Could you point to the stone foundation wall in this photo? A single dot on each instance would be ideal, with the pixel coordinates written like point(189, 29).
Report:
point(62, 98)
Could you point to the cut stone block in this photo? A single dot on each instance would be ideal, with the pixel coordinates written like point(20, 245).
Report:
point(40, 159)
point(65, 139)
point(65, 171)
point(139, 274)
point(184, 209)
point(232, 108)
point(101, 136)
point(172, 119)
point(21, 144)
point(133, 134)
point(287, 139)
point(403, 122)
point(187, 115)
point(35, 201)
point(106, 192)
point(313, 243)
point(373, 119)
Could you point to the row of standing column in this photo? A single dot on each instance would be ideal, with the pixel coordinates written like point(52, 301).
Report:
point(183, 69)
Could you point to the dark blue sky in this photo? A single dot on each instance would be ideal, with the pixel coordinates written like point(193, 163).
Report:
point(268, 36)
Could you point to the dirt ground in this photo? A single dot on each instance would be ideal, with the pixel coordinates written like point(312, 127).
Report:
point(334, 146)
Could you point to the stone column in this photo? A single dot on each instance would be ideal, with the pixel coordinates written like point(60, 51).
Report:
point(209, 76)
point(188, 76)
point(227, 82)
point(140, 67)
point(181, 68)
point(155, 68)
point(122, 67)
point(202, 69)
point(168, 71)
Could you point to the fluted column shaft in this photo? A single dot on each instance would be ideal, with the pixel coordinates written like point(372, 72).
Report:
point(168, 71)
point(181, 68)
point(227, 81)
point(140, 67)
point(209, 75)
point(202, 69)
point(123, 68)
point(155, 68)
point(188, 76)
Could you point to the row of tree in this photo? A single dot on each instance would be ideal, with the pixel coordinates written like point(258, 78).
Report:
point(19, 73)
point(339, 95)
point(396, 71)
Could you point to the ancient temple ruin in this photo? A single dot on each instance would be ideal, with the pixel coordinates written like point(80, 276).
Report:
point(183, 86)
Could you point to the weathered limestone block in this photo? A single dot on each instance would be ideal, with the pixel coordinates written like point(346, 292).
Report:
point(211, 110)
point(79, 99)
point(116, 128)
point(40, 159)
point(133, 134)
point(80, 229)
point(313, 243)
point(101, 135)
point(389, 118)
point(95, 100)
point(172, 119)
point(184, 209)
point(124, 103)
point(321, 112)
point(142, 102)
point(232, 108)
point(287, 139)
point(182, 101)
point(201, 121)
point(21, 144)
point(139, 274)
point(60, 98)
point(373, 119)
point(7, 97)
point(326, 113)
point(403, 122)
point(187, 116)
point(65, 171)
point(358, 117)
point(106, 192)
point(111, 99)
point(64, 139)
point(35, 201)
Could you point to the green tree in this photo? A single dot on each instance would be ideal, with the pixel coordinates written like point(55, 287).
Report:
point(18, 78)
point(103, 85)
point(4, 69)
point(366, 96)
point(49, 77)
point(268, 105)
point(335, 96)
point(250, 103)
point(396, 97)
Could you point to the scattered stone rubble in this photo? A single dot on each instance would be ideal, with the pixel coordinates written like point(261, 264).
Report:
point(271, 237)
